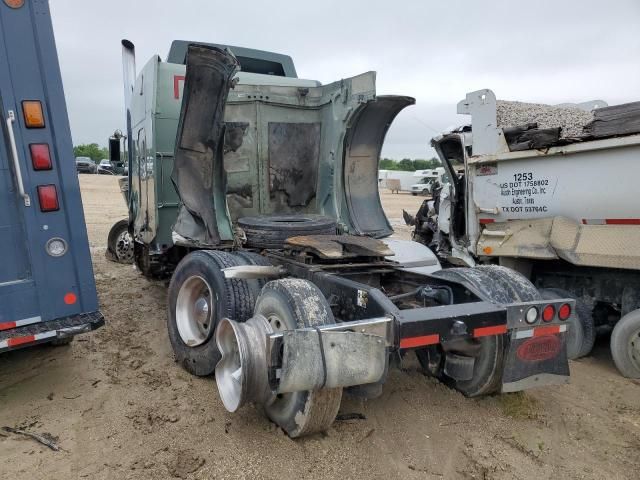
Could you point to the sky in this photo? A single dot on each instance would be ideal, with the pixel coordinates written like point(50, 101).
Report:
point(544, 51)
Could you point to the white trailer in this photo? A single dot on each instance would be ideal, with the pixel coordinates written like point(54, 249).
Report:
point(406, 178)
point(564, 211)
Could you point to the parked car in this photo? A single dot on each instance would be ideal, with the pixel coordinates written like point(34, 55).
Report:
point(105, 167)
point(85, 165)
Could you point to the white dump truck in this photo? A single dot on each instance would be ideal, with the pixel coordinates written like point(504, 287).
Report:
point(551, 192)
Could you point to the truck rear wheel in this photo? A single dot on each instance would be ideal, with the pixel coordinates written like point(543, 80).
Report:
point(199, 296)
point(581, 334)
point(120, 243)
point(495, 284)
point(625, 344)
point(288, 304)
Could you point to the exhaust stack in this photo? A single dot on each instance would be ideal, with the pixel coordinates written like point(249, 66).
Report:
point(129, 81)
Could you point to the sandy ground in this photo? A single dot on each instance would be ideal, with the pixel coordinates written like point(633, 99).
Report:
point(119, 407)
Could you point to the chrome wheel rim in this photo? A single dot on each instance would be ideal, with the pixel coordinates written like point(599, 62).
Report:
point(195, 307)
point(124, 247)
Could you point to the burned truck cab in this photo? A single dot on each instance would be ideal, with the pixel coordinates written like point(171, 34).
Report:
point(259, 194)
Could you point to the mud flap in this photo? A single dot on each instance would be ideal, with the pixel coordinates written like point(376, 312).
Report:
point(535, 361)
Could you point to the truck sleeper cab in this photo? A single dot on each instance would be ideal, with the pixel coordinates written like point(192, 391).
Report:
point(47, 290)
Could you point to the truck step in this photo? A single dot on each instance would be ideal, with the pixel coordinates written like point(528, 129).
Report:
point(50, 330)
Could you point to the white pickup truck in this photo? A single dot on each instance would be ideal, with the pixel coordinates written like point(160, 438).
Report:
point(553, 193)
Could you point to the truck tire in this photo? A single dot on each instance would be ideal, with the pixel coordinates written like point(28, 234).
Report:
point(120, 243)
point(625, 344)
point(496, 284)
point(582, 330)
point(199, 296)
point(288, 304)
point(272, 231)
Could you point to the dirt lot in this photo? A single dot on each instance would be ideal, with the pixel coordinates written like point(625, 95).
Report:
point(119, 407)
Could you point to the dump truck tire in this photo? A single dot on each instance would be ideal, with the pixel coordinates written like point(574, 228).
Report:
point(288, 304)
point(199, 296)
point(120, 243)
point(581, 334)
point(496, 284)
point(272, 231)
point(625, 344)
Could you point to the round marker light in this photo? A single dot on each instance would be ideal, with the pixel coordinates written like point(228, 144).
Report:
point(564, 311)
point(531, 316)
point(548, 313)
point(56, 247)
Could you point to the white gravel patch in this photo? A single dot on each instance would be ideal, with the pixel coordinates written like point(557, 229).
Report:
point(572, 120)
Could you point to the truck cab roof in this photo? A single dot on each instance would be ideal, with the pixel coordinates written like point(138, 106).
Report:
point(250, 59)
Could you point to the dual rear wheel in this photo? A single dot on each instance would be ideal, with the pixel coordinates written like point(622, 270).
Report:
point(200, 296)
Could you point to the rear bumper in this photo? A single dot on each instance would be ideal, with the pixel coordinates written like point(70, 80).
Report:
point(42, 332)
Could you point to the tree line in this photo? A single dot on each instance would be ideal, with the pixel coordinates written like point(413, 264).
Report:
point(406, 164)
point(92, 150)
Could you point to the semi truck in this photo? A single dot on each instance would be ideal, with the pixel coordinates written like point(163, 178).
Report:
point(561, 208)
point(47, 289)
point(256, 192)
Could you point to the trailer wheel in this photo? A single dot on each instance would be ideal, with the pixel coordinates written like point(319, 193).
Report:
point(120, 243)
point(272, 231)
point(288, 304)
point(581, 335)
point(625, 344)
point(495, 284)
point(199, 296)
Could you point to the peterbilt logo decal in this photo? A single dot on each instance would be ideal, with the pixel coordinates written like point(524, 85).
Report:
point(538, 349)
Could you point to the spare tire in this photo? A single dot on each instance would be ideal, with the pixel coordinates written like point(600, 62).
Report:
point(272, 231)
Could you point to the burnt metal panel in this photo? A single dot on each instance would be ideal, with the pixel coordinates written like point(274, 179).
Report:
point(340, 246)
point(294, 151)
point(198, 172)
point(363, 144)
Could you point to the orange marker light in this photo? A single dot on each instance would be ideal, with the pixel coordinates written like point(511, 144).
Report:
point(487, 250)
point(33, 116)
point(14, 3)
point(70, 298)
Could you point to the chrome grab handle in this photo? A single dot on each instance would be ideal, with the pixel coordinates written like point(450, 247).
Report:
point(16, 162)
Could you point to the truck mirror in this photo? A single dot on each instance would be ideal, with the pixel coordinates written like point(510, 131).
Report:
point(114, 150)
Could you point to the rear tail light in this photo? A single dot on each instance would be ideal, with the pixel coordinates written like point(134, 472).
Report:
point(40, 156)
point(33, 115)
point(531, 315)
point(48, 196)
point(564, 311)
point(548, 313)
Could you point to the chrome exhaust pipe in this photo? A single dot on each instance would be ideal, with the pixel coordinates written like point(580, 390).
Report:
point(241, 373)
point(129, 81)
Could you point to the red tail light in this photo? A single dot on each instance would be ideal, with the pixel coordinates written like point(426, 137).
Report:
point(48, 196)
point(548, 313)
point(564, 311)
point(40, 156)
